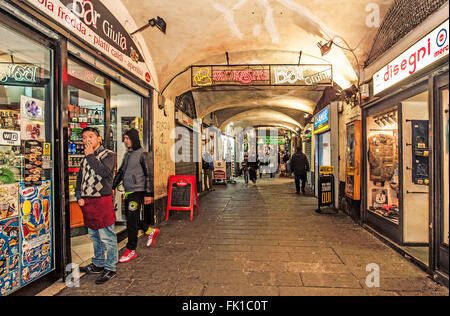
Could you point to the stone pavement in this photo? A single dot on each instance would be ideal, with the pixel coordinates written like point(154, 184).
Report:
point(261, 240)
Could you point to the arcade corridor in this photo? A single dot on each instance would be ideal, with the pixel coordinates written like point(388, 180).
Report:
point(261, 240)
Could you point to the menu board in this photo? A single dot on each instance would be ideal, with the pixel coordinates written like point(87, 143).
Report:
point(33, 162)
point(9, 255)
point(181, 195)
point(36, 232)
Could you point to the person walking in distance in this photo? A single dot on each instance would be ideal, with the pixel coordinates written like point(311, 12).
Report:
point(208, 169)
point(136, 176)
point(300, 168)
point(94, 195)
point(245, 168)
point(253, 167)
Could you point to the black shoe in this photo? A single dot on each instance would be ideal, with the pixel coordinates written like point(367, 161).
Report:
point(91, 269)
point(105, 277)
point(297, 192)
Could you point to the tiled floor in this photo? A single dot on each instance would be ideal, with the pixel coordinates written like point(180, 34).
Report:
point(82, 250)
point(262, 240)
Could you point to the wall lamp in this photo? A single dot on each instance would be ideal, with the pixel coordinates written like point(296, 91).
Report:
point(158, 22)
point(325, 48)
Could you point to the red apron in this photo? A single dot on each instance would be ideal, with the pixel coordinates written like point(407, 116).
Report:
point(99, 212)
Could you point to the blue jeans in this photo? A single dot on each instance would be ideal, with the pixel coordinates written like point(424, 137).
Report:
point(105, 239)
point(246, 176)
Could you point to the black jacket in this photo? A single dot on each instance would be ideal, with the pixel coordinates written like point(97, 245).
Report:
point(299, 164)
point(146, 165)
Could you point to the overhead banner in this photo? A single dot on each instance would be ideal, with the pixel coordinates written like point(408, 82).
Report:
point(92, 22)
point(262, 75)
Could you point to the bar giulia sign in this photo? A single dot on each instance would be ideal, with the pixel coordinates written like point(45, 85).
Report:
point(91, 21)
point(262, 75)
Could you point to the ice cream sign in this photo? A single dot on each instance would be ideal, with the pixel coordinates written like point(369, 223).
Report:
point(425, 52)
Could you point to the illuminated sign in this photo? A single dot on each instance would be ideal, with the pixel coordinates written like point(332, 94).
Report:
point(321, 121)
point(305, 75)
point(92, 22)
point(428, 50)
point(235, 75)
point(19, 73)
point(262, 75)
point(326, 169)
point(272, 140)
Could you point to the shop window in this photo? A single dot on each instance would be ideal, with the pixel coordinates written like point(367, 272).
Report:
point(26, 143)
point(383, 174)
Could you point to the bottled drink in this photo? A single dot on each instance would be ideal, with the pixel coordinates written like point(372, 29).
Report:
point(96, 117)
point(74, 148)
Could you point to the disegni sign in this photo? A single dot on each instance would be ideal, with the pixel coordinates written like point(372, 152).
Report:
point(428, 50)
point(92, 22)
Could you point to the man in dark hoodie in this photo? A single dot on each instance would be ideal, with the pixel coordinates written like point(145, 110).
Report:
point(136, 175)
point(300, 168)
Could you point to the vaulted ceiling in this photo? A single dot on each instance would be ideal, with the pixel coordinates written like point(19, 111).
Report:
point(200, 32)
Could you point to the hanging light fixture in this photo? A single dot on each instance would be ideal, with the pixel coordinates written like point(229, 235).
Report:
point(158, 22)
point(325, 48)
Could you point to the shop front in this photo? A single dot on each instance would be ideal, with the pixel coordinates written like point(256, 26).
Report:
point(188, 141)
point(54, 83)
point(28, 184)
point(326, 140)
point(405, 152)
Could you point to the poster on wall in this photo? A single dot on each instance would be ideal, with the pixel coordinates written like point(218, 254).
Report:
point(9, 201)
point(32, 118)
point(36, 233)
point(9, 256)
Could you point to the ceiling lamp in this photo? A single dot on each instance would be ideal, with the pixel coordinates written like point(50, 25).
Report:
point(158, 22)
point(325, 48)
point(378, 122)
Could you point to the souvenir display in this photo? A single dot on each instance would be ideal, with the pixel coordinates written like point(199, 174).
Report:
point(383, 163)
point(421, 152)
point(382, 157)
point(36, 232)
point(9, 255)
